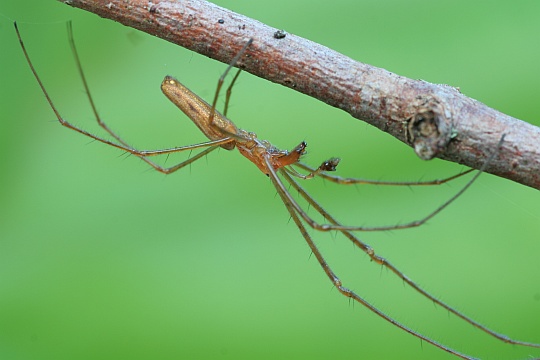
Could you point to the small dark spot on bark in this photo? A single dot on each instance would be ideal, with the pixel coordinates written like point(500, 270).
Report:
point(221, 21)
point(152, 7)
point(280, 34)
point(514, 164)
point(289, 82)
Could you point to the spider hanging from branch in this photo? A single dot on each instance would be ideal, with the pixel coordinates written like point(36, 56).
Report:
point(281, 167)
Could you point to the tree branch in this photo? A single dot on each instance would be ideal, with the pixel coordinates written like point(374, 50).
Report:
point(436, 120)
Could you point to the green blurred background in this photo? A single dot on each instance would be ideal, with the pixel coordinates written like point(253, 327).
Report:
point(102, 258)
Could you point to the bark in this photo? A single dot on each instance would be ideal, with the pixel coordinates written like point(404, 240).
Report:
point(436, 120)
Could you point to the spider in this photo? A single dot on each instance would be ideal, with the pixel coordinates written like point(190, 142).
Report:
point(277, 165)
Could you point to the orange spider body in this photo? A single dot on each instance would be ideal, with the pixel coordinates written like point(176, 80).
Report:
point(217, 127)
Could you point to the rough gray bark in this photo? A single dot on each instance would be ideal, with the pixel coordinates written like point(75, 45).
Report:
point(436, 120)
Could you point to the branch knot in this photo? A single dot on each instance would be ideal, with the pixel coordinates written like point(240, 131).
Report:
point(429, 130)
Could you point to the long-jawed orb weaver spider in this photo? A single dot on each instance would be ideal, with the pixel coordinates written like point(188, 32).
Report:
point(277, 164)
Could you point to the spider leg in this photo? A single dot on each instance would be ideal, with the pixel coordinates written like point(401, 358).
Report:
point(222, 78)
point(141, 154)
point(211, 145)
point(328, 227)
point(328, 165)
point(333, 277)
point(382, 261)
point(229, 92)
point(349, 181)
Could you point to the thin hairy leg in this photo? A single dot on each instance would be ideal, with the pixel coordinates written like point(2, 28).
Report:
point(211, 145)
point(382, 261)
point(350, 181)
point(334, 278)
